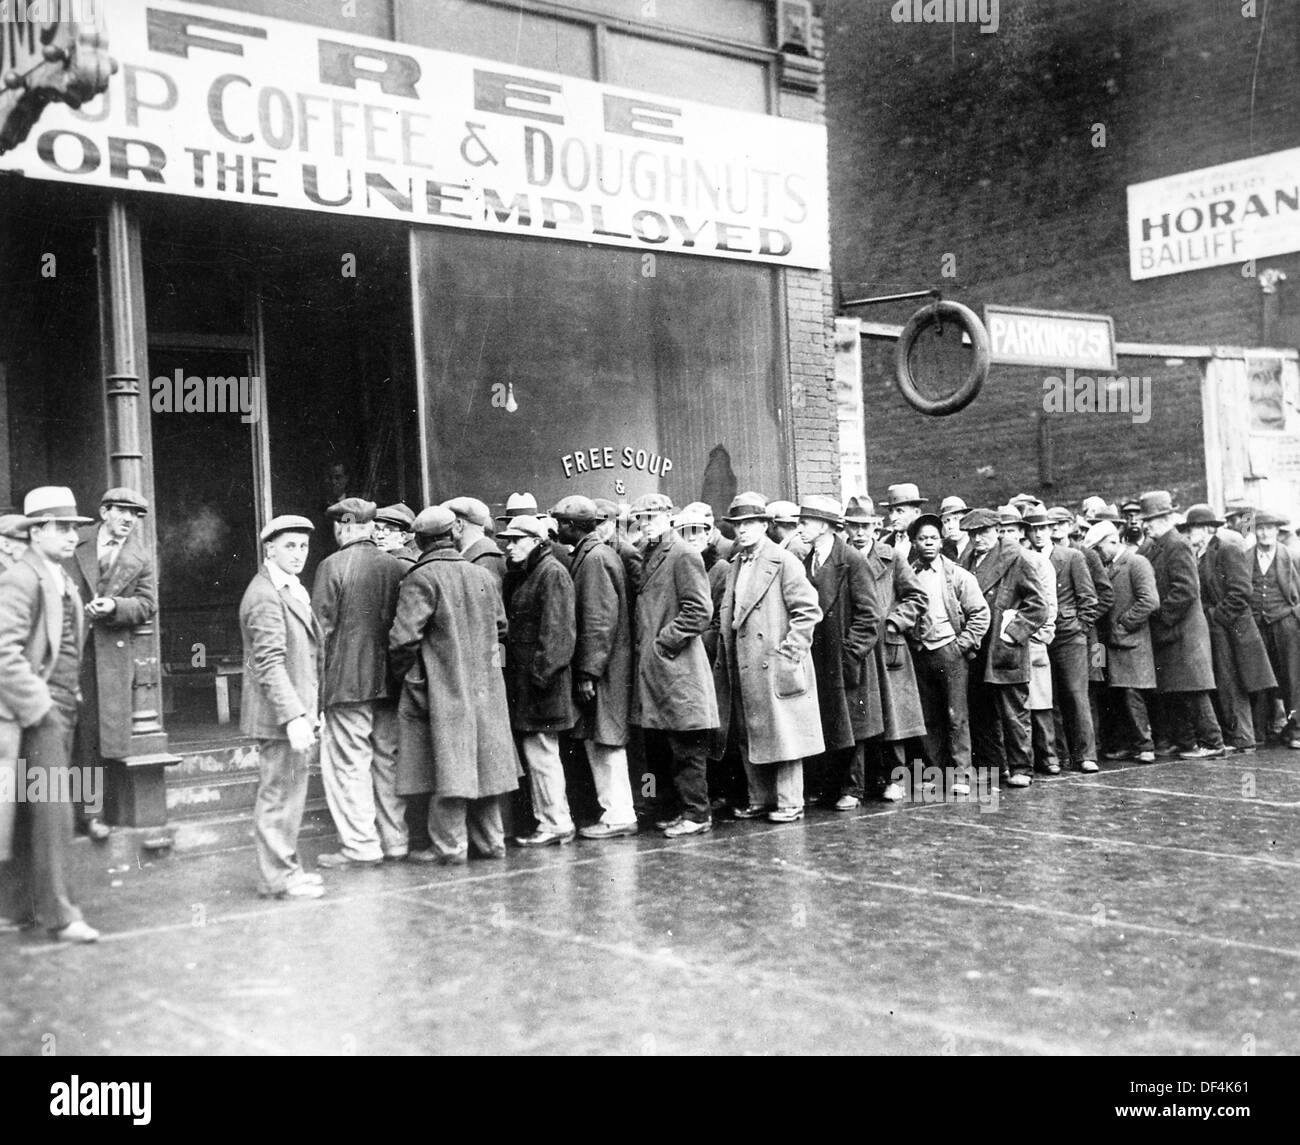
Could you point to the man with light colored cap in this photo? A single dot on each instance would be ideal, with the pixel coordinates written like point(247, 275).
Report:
point(42, 627)
point(470, 534)
point(764, 678)
point(355, 599)
point(694, 524)
point(673, 700)
point(13, 539)
point(540, 640)
point(113, 571)
point(1275, 604)
point(283, 650)
point(1124, 630)
point(955, 542)
point(783, 527)
point(602, 664)
point(392, 532)
point(610, 532)
point(903, 505)
point(445, 649)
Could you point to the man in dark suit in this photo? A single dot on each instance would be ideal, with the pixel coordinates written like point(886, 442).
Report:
point(114, 573)
point(355, 599)
point(1275, 603)
point(282, 669)
point(42, 629)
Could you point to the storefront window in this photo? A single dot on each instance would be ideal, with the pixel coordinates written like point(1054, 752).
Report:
point(687, 73)
point(560, 368)
point(364, 17)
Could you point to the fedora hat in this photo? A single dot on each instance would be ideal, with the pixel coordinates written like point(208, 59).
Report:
point(1008, 515)
point(1238, 507)
point(817, 507)
point(903, 494)
point(1157, 503)
point(52, 503)
point(1107, 513)
point(519, 504)
point(924, 519)
point(1034, 517)
point(953, 505)
point(860, 511)
point(749, 506)
point(1200, 514)
point(1059, 515)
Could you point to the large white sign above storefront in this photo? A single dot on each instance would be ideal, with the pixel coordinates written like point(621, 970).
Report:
point(220, 105)
point(1215, 216)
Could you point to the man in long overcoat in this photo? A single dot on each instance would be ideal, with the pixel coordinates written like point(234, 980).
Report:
point(1241, 667)
point(1124, 629)
point(1033, 533)
point(673, 699)
point(999, 679)
point(473, 518)
point(602, 664)
point(1080, 598)
point(540, 641)
point(1180, 636)
point(842, 642)
point(282, 668)
point(354, 598)
point(455, 741)
point(1275, 604)
point(114, 575)
point(766, 686)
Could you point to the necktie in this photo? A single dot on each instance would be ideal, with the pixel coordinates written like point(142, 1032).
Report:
point(816, 562)
point(106, 561)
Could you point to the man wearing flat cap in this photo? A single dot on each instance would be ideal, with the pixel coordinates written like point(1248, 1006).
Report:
point(1275, 604)
point(392, 533)
point(114, 573)
point(765, 683)
point(1242, 669)
point(903, 505)
point(42, 628)
point(1180, 636)
point(469, 531)
point(783, 527)
point(282, 669)
point(455, 742)
point(354, 598)
point(608, 532)
point(13, 539)
point(842, 643)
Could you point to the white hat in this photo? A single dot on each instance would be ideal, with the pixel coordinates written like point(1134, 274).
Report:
point(52, 503)
point(286, 523)
point(1101, 531)
point(524, 525)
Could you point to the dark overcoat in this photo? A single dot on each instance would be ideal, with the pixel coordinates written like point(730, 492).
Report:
point(1235, 643)
point(604, 644)
point(539, 643)
point(454, 738)
point(1105, 599)
point(1076, 597)
point(717, 568)
point(283, 658)
point(354, 597)
point(761, 640)
point(487, 555)
point(108, 662)
point(1124, 628)
point(1180, 634)
point(674, 683)
point(843, 643)
point(1009, 585)
point(901, 601)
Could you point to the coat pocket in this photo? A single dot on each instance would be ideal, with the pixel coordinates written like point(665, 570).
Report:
point(1006, 657)
point(790, 679)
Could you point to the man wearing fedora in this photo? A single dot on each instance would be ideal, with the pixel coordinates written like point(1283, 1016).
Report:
point(842, 642)
point(766, 686)
point(947, 636)
point(391, 533)
point(903, 505)
point(473, 518)
point(283, 650)
point(860, 522)
point(42, 628)
point(673, 698)
point(1275, 604)
point(354, 598)
point(1241, 664)
point(999, 678)
point(113, 572)
point(1180, 636)
point(955, 542)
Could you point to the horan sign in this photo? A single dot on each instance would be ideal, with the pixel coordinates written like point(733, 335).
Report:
point(1019, 337)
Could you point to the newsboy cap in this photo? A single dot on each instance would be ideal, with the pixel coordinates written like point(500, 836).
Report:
point(470, 509)
point(576, 508)
point(399, 516)
point(52, 503)
point(286, 523)
point(1060, 515)
point(1092, 506)
point(1101, 531)
point(435, 521)
point(650, 503)
point(817, 507)
point(525, 525)
point(352, 510)
point(924, 519)
point(749, 506)
point(608, 509)
point(1264, 517)
point(127, 498)
point(14, 526)
point(978, 519)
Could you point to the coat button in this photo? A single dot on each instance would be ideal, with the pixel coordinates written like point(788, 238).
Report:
point(121, 643)
point(764, 663)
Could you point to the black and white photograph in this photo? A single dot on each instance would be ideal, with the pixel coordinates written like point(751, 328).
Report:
point(651, 529)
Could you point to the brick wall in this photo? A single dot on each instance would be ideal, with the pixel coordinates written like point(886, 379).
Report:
point(947, 141)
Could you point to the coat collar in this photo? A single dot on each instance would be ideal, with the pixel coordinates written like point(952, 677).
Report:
point(302, 611)
point(767, 565)
point(655, 555)
point(582, 550)
point(52, 586)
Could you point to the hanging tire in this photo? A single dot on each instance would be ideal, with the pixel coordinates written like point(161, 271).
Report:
point(920, 323)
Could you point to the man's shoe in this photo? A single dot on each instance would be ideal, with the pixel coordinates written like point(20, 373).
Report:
point(337, 860)
point(98, 830)
point(753, 811)
point(664, 824)
point(1293, 744)
point(397, 858)
point(77, 932)
point(310, 877)
point(687, 827)
point(847, 803)
point(1197, 752)
point(610, 830)
point(1089, 765)
point(894, 793)
point(1020, 779)
point(1118, 756)
point(1245, 749)
point(1220, 752)
point(540, 838)
point(459, 859)
point(298, 890)
point(427, 856)
point(1166, 749)
point(1051, 769)
point(785, 815)
point(1145, 757)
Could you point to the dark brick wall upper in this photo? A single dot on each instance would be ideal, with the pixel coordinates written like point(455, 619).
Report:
point(945, 140)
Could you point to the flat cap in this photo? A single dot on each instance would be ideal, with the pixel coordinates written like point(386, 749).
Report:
point(525, 525)
point(434, 521)
point(470, 509)
point(649, 503)
point(576, 508)
point(14, 526)
point(1101, 531)
point(1264, 517)
point(978, 519)
point(691, 515)
point(923, 520)
point(607, 509)
point(786, 512)
point(402, 516)
point(701, 509)
point(127, 498)
point(286, 523)
point(352, 510)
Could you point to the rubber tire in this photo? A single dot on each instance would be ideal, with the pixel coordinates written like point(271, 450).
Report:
point(967, 392)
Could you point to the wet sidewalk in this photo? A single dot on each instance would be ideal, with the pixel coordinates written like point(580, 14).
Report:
point(1147, 909)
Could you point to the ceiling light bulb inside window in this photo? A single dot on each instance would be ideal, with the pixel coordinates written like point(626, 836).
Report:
point(511, 404)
